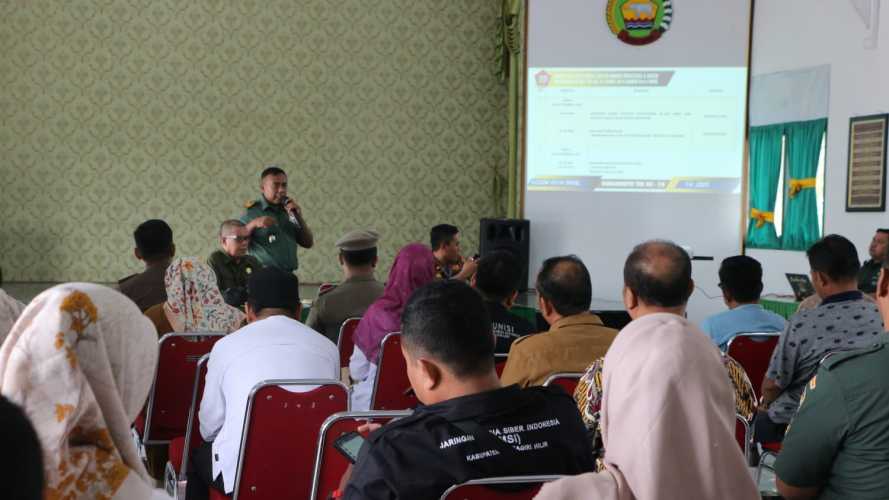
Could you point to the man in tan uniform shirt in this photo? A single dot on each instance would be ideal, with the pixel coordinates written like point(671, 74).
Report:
point(359, 289)
point(576, 337)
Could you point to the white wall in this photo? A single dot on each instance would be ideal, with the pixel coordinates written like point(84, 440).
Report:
point(791, 34)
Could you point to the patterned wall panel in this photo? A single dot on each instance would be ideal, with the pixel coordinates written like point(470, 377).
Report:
point(386, 114)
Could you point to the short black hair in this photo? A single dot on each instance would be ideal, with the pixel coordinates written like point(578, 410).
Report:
point(272, 170)
point(498, 275)
point(154, 239)
point(565, 282)
point(271, 287)
point(741, 277)
point(442, 234)
point(883, 230)
point(448, 321)
point(659, 273)
point(358, 258)
point(835, 257)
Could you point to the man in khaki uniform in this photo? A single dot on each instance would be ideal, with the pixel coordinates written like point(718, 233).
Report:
point(576, 337)
point(154, 247)
point(352, 297)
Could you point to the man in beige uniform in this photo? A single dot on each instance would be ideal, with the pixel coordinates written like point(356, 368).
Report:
point(358, 258)
point(575, 338)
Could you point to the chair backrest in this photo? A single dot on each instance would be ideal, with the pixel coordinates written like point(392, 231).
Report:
point(345, 343)
point(486, 489)
point(566, 380)
point(392, 389)
point(499, 363)
point(192, 429)
point(753, 351)
point(330, 464)
point(742, 435)
point(171, 393)
point(280, 436)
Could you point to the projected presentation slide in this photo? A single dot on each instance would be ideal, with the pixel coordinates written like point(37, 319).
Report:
point(635, 129)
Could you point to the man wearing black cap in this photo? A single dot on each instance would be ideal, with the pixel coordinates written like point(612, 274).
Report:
point(273, 346)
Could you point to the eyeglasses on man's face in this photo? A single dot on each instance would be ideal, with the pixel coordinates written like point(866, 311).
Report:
point(239, 239)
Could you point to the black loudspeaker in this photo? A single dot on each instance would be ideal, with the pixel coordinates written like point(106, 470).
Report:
point(512, 235)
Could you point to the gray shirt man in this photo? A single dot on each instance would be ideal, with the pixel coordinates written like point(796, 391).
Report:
point(842, 322)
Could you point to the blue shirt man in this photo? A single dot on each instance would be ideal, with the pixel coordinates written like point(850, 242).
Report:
point(740, 278)
point(744, 318)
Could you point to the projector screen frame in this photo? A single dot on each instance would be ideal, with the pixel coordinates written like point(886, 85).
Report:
point(523, 105)
point(707, 299)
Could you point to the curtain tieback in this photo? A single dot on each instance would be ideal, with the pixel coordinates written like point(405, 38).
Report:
point(761, 217)
point(797, 185)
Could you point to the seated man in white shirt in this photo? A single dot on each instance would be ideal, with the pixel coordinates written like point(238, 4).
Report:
point(273, 346)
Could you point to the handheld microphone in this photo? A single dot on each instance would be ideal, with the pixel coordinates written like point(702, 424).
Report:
point(290, 214)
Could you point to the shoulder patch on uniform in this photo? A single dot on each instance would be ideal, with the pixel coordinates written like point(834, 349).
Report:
point(327, 290)
point(834, 359)
point(250, 203)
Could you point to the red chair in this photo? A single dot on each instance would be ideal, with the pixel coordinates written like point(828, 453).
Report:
point(280, 437)
point(330, 464)
point(753, 351)
point(392, 389)
point(166, 415)
point(345, 343)
point(176, 473)
point(486, 489)
point(566, 380)
point(499, 363)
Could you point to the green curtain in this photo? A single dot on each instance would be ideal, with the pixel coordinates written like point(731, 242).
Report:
point(510, 64)
point(765, 170)
point(803, 147)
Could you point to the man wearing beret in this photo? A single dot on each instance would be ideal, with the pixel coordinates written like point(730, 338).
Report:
point(352, 297)
point(273, 346)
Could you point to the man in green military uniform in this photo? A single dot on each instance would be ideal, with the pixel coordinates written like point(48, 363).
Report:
point(275, 223)
point(870, 270)
point(359, 289)
point(837, 445)
point(232, 264)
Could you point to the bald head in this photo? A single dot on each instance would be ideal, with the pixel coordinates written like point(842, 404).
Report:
point(565, 282)
point(659, 274)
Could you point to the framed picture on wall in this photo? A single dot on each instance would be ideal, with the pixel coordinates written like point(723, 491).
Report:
point(866, 171)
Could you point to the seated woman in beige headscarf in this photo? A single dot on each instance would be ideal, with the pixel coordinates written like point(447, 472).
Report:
point(194, 303)
point(667, 423)
point(588, 396)
point(80, 361)
point(10, 309)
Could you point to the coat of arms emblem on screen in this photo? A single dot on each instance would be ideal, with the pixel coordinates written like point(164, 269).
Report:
point(639, 22)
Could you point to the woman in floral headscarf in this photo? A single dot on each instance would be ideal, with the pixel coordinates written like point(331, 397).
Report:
point(79, 362)
point(194, 303)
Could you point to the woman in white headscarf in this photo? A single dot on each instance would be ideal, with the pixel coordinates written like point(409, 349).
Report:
point(80, 361)
point(10, 309)
point(667, 420)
